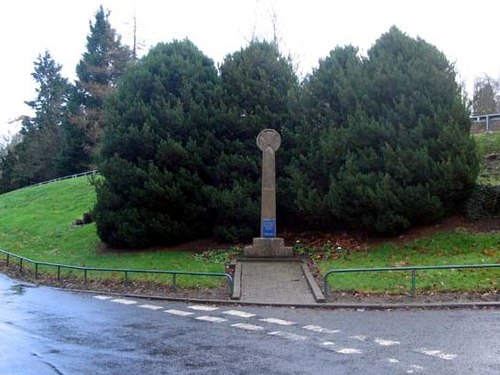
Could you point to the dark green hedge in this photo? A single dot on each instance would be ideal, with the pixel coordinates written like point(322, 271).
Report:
point(377, 143)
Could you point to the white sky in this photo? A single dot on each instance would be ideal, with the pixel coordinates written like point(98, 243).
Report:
point(466, 31)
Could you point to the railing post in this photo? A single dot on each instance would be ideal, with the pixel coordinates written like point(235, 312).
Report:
point(8, 258)
point(125, 279)
point(413, 282)
point(20, 265)
point(85, 277)
point(36, 271)
point(58, 273)
point(231, 283)
point(174, 282)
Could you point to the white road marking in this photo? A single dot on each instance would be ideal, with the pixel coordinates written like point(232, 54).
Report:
point(383, 342)
point(348, 351)
point(359, 337)
point(179, 312)
point(414, 368)
point(124, 301)
point(277, 321)
point(287, 335)
point(437, 354)
point(203, 308)
point(151, 307)
point(320, 329)
point(247, 327)
point(392, 360)
point(342, 350)
point(103, 297)
point(237, 313)
point(212, 319)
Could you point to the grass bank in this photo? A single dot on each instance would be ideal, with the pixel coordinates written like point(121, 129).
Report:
point(38, 222)
point(454, 247)
point(488, 148)
point(487, 143)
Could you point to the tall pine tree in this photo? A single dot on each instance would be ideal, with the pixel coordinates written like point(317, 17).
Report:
point(103, 63)
point(35, 158)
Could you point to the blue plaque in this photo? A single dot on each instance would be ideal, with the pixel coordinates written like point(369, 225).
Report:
point(268, 228)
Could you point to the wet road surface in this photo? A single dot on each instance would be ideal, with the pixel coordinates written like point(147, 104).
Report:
point(48, 331)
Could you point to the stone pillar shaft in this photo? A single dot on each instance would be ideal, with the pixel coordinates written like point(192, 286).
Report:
point(268, 195)
point(268, 245)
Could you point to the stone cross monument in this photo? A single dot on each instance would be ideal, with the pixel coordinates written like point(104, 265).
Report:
point(268, 245)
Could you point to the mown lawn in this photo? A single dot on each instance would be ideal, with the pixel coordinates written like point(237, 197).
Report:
point(456, 247)
point(38, 222)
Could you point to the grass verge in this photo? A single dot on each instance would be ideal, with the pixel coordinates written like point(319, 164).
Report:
point(454, 247)
point(488, 149)
point(37, 223)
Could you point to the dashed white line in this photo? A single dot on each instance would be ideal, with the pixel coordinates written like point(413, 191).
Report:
point(414, 368)
point(320, 329)
point(287, 335)
point(212, 319)
point(179, 312)
point(124, 301)
point(203, 308)
point(103, 297)
point(383, 342)
point(437, 354)
point(348, 351)
point(247, 327)
point(240, 314)
point(277, 321)
point(332, 345)
point(151, 307)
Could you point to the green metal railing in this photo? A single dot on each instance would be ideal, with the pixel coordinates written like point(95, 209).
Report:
point(36, 264)
point(412, 269)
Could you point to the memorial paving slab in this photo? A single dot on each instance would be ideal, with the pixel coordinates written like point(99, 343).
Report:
point(274, 282)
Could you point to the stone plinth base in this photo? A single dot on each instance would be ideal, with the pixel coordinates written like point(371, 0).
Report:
point(268, 248)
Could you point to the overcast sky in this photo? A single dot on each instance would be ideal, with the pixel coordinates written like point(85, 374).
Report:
point(466, 31)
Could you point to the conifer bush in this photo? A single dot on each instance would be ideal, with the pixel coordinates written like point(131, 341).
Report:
point(390, 145)
point(377, 143)
point(156, 151)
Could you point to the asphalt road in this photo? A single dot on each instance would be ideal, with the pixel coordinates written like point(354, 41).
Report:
point(48, 331)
